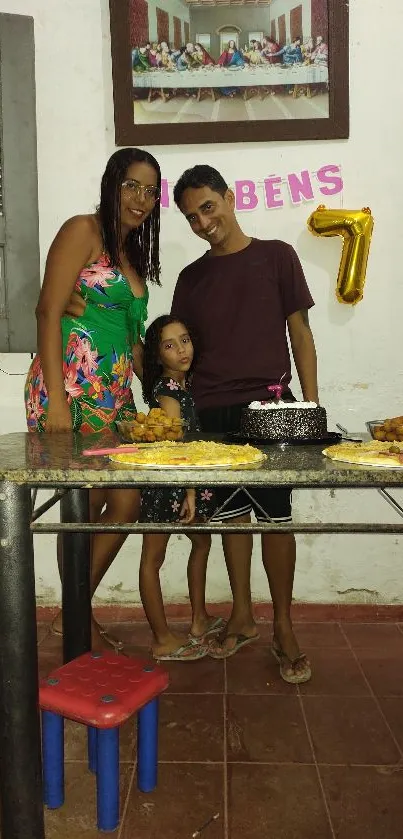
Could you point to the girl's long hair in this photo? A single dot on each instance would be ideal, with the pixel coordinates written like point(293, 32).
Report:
point(142, 244)
point(152, 367)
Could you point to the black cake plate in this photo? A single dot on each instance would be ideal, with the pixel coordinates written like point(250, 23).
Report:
point(331, 437)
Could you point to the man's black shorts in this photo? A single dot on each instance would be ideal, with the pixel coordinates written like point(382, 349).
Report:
point(266, 503)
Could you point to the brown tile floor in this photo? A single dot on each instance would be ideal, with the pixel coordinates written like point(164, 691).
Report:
point(324, 761)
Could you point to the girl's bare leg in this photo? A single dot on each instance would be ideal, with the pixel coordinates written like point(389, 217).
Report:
point(197, 569)
point(152, 558)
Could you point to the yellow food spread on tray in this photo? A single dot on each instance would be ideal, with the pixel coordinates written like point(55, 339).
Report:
point(190, 454)
point(374, 453)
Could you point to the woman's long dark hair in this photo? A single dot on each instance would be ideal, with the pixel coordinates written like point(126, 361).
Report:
point(142, 244)
point(152, 367)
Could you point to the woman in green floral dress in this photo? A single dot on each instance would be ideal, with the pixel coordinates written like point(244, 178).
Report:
point(80, 380)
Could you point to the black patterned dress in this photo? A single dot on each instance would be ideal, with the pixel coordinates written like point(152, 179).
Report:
point(164, 503)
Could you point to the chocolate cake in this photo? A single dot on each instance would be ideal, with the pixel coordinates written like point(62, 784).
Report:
point(282, 421)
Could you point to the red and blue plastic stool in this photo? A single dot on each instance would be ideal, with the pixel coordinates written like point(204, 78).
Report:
point(101, 690)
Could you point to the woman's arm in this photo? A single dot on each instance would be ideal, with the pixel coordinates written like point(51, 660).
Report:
point(75, 306)
point(138, 353)
point(72, 248)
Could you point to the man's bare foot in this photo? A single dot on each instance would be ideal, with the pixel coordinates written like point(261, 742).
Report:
point(284, 638)
point(295, 667)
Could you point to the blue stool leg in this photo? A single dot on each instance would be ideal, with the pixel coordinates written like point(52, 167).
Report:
point(108, 778)
point(147, 746)
point(92, 748)
point(53, 759)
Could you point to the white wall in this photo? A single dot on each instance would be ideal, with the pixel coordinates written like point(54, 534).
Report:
point(360, 349)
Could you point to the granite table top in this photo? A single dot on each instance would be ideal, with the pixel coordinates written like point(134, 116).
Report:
point(41, 460)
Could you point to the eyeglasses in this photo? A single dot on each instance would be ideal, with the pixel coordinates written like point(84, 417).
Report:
point(151, 193)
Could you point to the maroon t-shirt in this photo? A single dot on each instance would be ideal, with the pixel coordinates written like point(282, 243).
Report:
point(236, 307)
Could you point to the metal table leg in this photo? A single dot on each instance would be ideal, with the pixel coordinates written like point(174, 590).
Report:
point(20, 755)
point(392, 501)
point(76, 588)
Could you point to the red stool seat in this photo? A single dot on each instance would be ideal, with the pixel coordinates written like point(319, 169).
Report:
point(102, 689)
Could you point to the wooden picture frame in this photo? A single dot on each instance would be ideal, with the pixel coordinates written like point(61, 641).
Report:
point(128, 132)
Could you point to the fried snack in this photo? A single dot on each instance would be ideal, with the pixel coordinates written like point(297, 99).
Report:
point(155, 426)
point(173, 435)
point(391, 430)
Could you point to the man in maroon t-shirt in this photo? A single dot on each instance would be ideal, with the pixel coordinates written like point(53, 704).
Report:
point(239, 300)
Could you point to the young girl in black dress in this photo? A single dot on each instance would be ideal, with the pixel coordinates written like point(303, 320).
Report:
point(168, 356)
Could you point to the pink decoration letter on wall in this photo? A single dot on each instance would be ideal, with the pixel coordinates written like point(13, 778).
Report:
point(164, 200)
point(273, 192)
point(300, 187)
point(245, 195)
point(331, 176)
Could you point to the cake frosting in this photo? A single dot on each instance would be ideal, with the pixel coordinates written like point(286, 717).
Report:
point(275, 406)
point(282, 421)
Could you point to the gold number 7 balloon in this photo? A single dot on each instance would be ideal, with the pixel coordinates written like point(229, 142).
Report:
point(355, 227)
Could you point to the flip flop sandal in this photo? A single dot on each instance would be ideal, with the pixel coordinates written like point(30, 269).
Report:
point(187, 652)
point(116, 643)
point(240, 641)
point(217, 626)
point(285, 663)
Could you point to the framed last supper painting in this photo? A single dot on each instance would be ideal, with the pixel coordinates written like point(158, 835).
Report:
point(212, 71)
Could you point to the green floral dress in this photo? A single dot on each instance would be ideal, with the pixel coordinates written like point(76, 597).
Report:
point(97, 353)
